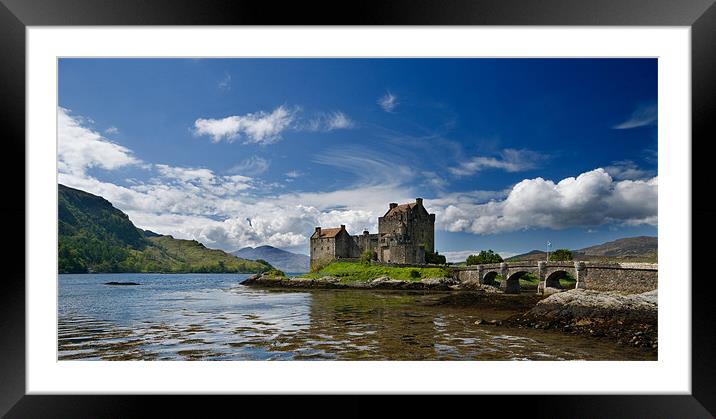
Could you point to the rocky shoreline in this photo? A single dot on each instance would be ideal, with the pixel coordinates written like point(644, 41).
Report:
point(331, 282)
point(629, 319)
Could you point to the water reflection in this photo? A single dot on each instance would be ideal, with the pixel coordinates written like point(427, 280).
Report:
point(207, 318)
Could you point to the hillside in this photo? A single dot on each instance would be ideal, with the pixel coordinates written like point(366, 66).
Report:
point(629, 249)
point(94, 236)
point(281, 259)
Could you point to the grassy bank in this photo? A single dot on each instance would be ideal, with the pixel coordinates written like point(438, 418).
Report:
point(356, 271)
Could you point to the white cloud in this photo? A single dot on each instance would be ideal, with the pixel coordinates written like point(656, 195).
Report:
point(80, 148)
point(225, 83)
point(252, 166)
point(627, 169)
point(509, 160)
point(257, 128)
point(329, 122)
point(369, 168)
point(592, 198)
point(293, 174)
point(643, 115)
point(388, 102)
point(112, 130)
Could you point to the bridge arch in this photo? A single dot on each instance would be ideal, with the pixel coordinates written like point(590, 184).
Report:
point(512, 281)
point(553, 279)
point(490, 278)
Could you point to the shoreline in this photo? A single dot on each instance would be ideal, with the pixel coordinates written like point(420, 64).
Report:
point(626, 319)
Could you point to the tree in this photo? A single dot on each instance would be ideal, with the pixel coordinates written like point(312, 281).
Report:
point(484, 257)
point(434, 258)
point(560, 255)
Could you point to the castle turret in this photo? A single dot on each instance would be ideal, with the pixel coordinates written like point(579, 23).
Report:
point(419, 201)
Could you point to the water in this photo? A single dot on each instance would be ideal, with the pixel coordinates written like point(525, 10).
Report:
point(211, 317)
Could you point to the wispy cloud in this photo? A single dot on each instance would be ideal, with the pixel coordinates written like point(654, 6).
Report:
point(643, 115)
point(112, 130)
point(368, 167)
point(256, 128)
point(329, 121)
point(225, 83)
point(252, 166)
point(388, 102)
point(509, 160)
point(627, 169)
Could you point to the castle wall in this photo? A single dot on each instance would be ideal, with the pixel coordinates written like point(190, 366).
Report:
point(322, 250)
point(366, 242)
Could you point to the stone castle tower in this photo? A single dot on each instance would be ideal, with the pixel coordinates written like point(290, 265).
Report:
point(405, 232)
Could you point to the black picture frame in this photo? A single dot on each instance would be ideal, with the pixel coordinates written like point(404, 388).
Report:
point(16, 15)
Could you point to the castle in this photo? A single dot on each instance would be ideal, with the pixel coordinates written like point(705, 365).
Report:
point(405, 233)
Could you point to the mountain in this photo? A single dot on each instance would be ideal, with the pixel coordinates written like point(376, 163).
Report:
point(94, 236)
point(281, 259)
point(629, 249)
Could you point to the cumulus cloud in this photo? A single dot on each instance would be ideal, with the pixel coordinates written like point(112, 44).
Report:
point(252, 166)
point(592, 198)
point(388, 102)
point(643, 115)
point(255, 128)
point(509, 160)
point(80, 148)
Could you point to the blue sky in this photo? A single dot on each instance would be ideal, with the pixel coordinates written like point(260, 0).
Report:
point(509, 153)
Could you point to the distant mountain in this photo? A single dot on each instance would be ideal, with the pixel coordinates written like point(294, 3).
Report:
point(281, 259)
point(630, 249)
point(94, 236)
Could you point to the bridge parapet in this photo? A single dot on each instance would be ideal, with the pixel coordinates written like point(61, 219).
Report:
point(603, 276)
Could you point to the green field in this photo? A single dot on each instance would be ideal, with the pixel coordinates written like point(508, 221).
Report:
point(356, 271)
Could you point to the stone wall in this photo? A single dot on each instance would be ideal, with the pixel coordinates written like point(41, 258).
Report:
point(625, 277)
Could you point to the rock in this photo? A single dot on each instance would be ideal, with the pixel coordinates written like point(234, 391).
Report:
point(550, 291)
point(631, 319)
point(489, 322)
point(439, 281)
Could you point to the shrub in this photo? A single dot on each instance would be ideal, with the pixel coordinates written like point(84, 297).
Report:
point(367, 256)
point(414, 273)
point(434, 258)
point(275, 272)
point(484, 257)
point(560, 255)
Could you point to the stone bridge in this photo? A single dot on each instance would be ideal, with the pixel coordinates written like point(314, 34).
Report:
point(625, 277)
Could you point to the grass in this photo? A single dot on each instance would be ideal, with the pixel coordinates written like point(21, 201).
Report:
point(355, 271)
